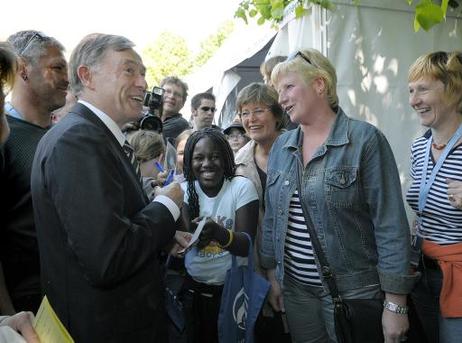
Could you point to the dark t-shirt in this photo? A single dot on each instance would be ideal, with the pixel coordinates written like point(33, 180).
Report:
point(173, 126)
point(18, 243)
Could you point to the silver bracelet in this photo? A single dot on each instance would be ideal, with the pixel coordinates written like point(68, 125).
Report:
point(395, 308)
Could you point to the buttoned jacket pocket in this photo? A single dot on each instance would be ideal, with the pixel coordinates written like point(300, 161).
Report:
point(342, 186)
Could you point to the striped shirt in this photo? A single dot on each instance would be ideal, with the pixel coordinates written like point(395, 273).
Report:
point(299, 262)
point(441, 222)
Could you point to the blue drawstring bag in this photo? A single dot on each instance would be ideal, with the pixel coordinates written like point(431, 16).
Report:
point(243, 295)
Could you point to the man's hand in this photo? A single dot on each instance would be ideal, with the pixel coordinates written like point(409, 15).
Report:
point(22, 322)
point(174, 192)
point(182, 239)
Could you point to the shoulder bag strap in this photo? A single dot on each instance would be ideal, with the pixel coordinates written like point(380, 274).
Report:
point(326, 271)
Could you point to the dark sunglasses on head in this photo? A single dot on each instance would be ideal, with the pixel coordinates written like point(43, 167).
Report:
point(207, 108)
point(295, 55)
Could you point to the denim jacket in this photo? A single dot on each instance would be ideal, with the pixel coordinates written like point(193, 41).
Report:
point(352, 191)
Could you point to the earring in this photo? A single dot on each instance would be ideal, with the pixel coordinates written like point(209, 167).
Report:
point(24, 77)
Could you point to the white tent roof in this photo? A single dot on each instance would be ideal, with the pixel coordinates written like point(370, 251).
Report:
point(217, 74)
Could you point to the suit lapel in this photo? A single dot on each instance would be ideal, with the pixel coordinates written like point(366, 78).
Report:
point(87, 114)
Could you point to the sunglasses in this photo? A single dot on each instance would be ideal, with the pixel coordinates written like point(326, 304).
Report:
point(207, 108)
point(37, 35)
point(296, 54)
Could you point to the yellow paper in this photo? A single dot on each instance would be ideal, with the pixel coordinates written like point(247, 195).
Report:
point(48, 326)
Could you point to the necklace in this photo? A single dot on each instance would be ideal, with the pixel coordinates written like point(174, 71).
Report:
point(439, 146)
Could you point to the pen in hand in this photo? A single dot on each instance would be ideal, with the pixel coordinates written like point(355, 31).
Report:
point(170, 175)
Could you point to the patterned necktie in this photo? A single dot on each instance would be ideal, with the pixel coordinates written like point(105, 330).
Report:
point(132, 158)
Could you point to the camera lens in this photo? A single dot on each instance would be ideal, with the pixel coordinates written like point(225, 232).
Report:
point(151, 123)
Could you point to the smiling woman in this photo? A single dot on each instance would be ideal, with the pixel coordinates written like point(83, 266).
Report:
point(435, 93)
point(229, 202)
point(341, 174)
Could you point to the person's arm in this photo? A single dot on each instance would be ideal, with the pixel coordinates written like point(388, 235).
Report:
point(395, 325)
point(6, 305)
point(89, 189)
point(382, 189)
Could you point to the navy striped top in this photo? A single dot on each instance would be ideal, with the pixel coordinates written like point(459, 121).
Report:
point(441, 222)
point(299, 262)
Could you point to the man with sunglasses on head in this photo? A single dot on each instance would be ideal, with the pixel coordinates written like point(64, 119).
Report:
point(203, 110)
point(40, 88)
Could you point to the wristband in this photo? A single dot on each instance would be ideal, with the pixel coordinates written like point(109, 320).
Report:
point(230, 240)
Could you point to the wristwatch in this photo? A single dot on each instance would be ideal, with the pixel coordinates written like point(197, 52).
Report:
point(395, 308)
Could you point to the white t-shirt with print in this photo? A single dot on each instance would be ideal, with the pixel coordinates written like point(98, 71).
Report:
point(210, 264)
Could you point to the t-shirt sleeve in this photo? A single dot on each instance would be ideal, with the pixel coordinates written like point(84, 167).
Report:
point(246, 191)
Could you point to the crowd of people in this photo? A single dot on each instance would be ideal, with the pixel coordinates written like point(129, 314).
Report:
point(98, 210)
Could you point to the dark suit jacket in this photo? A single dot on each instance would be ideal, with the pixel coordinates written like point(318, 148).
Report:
point(98, 235)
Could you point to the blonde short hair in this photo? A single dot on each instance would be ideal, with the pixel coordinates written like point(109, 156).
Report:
point(147, 145)
point(441, 66)
point(310, 64)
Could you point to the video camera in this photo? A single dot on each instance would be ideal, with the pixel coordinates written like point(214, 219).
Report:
point(154, 101)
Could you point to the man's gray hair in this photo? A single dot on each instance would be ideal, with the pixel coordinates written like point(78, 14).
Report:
point(31, 45)
point(90, 52)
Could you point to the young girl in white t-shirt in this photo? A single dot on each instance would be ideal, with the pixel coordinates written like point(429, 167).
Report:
point(231, 205)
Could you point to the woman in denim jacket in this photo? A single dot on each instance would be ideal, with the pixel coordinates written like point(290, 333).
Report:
point(351, 188)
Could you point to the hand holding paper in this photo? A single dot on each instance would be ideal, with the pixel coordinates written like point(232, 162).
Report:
point(195, 235)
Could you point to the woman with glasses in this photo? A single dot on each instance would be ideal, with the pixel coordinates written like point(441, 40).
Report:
point(263, 120)
point(435, 93)
point(351, 192)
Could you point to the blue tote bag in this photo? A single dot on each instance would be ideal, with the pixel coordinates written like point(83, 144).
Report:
point(243, 295)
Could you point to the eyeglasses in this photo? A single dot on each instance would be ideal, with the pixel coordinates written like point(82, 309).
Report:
point(257, 112)
point(37, 35)
point(172, 93)
point(295, 54)
point(207, 108)
point(235, 136)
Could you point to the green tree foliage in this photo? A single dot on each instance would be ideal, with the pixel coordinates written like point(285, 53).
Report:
point(428, 13)
point(213, 42)
point(169, 54)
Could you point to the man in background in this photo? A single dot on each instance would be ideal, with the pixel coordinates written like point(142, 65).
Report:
point(203, 110)
point(176, 92)
point(40, 88)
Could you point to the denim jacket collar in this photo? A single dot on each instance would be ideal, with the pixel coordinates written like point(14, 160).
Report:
point(338, 135)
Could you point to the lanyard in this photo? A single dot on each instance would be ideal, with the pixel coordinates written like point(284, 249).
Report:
point(12, 111)
point(426, 185)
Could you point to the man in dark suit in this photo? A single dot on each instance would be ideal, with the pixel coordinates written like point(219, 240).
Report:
point(99, 236)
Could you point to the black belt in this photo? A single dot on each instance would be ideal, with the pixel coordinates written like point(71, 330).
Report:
point(430, 263)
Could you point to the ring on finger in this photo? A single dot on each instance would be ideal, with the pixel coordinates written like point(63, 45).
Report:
point(451, 196)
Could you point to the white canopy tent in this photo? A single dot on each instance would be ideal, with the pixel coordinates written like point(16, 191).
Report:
point(235, 65)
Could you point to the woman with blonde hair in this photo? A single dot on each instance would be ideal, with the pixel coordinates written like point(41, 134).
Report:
point(335, 177)
point(435, 93)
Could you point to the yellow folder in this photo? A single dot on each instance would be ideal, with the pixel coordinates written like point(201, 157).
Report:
point(48, 326)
